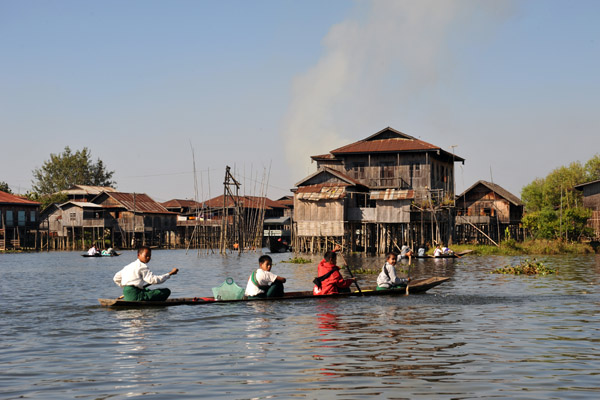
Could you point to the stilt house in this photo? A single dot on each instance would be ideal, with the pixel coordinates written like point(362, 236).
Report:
point(591, 200)
point(137, 219)
point(487, 212)
point(19, 218)
point(115, 219)
point(375, 194)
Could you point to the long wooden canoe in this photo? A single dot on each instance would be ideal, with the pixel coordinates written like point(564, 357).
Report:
point(455, 255)
point(100, 255)
point(417, 286)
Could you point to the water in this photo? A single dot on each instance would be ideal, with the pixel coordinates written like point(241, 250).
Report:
point(479, 335)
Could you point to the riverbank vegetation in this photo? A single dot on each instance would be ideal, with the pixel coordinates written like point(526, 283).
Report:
point(528, 247)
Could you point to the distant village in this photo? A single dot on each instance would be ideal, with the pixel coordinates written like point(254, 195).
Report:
point(370, 196)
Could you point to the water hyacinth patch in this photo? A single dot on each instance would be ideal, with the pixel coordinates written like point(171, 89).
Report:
point(526, 268)
point(298, 260)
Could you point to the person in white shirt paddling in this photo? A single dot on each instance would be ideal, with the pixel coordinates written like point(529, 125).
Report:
point(264, 283)
point(135, 277)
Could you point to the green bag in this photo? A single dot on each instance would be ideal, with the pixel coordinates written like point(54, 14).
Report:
point(228, 290)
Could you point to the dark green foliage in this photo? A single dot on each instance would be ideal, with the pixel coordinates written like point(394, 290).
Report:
point(48, 199)
point(4, 187)
point(554, 207)
point(64, 170)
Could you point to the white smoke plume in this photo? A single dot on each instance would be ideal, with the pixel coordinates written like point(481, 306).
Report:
point(386, 53)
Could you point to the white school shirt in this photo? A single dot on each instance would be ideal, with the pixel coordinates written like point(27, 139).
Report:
point(137, 274)
point(263, 278)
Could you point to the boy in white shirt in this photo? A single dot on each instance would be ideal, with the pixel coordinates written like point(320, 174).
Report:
point(264, 283)
point(135, 277)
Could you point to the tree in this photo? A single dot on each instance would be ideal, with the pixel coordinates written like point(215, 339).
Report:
point(592, 168)
point(553, 206)
point(4, 187)
point(64, 170)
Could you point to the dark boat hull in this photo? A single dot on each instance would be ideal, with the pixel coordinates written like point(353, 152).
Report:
point(418, 286)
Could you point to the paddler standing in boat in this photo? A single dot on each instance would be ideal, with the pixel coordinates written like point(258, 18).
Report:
point(329, 279)
point(264, 283)
point(136, 276)
point(387, 278)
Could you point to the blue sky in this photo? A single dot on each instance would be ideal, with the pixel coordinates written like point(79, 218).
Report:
point(262, 85)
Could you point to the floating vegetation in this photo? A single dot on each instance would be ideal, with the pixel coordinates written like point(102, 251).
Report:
point(298, 260)
point(366, 271)
point(526, 268)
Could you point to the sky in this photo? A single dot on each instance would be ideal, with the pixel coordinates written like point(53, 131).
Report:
point(169, 93)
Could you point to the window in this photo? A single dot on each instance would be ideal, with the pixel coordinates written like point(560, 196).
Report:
point(359, 170)
point(21, 217)
point(10, 221)
point(72, 216)
point(32, 216)
point(387, 169)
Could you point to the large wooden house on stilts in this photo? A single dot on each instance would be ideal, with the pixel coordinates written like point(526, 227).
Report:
point(375, 194)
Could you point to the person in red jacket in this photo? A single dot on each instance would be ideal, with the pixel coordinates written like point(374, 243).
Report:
point(329, 277)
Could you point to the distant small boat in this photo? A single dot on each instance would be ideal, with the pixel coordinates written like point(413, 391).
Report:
point(279, 245)
point(418, 286)
point(453, 255)
point(100, 255)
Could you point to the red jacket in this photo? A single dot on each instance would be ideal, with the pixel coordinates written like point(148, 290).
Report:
point(334, 282)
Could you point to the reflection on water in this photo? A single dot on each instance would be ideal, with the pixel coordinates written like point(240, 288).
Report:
point(478, 335)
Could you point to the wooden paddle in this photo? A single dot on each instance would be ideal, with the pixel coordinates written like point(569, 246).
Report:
point(350, 271)
point(408, 283)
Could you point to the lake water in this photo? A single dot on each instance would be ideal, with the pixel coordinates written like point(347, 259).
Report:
point(479, 335)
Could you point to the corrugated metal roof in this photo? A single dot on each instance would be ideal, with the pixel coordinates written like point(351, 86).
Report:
point(181, 203)
point(497, 189)
point(138, 202)
point(327, 156)
point(86, 189)
point(338, 174)
point(82, 204)
point(324, 191)
point(7, 198)
point(276, 221)
point(389, 140)
point(245, 202)
point(392, 194)
point(385, 146)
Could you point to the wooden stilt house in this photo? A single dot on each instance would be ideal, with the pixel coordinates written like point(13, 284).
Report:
point(487, 213)
point(376, 194)
point(591, 200)
point(19, 218)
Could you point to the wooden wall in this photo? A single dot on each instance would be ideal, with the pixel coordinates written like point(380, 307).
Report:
point(319, 218)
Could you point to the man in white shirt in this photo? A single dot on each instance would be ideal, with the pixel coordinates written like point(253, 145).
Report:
point(92, 251)
point(135, 277)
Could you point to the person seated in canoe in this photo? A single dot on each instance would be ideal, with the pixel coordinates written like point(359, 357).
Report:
point(263, 283)
point(405, 251)
point(329, 279)
point(447, 251)
point(135, 277)
point(387, 278)
point(422, 250)
point(92, 251)
point(108, 252)
point(438, 251)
